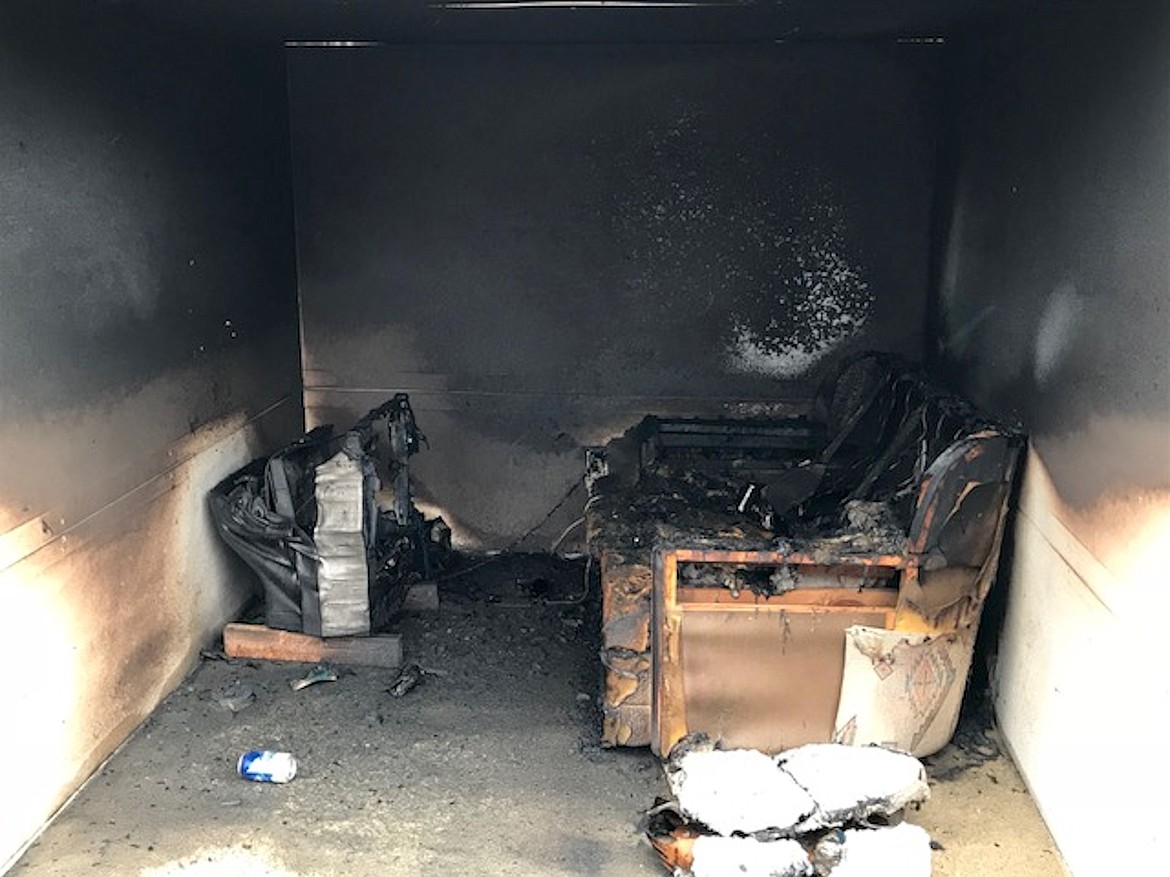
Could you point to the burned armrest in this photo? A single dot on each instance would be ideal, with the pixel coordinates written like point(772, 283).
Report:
point(957, 531)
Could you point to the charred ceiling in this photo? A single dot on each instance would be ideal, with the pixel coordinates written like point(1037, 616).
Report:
point(572, 20)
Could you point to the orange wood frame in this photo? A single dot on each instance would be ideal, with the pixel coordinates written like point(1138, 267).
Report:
point(668, 704)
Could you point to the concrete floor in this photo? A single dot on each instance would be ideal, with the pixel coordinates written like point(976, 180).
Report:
point(491, 767)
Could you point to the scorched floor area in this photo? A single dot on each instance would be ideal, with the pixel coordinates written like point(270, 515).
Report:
point(490, 767)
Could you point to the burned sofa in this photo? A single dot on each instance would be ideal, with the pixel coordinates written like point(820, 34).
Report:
point(773, 583)
point(309, 522)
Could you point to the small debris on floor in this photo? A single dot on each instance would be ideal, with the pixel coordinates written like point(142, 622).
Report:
point(410, 677)
point(380, 774)
point(320, 673)
point(975, 742)
point(518, 581)
point(235, 696)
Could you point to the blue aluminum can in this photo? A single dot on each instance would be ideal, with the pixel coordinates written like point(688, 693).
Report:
point(265, 766)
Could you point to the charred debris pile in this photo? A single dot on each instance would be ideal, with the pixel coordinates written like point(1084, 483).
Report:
point(330, 528)
point(313, 524)
point(848, 473)
point(819, 809)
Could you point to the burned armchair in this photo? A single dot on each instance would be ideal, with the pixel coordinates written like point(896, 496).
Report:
point(773, 583)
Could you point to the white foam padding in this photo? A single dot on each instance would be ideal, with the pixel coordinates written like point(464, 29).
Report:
point(851, 783)
point(738, 790)
point(748, 857)
point(901, 851)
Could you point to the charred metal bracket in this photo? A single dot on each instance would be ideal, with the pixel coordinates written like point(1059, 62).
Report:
point(596, 468)
point(796, 433)
point(404, 439)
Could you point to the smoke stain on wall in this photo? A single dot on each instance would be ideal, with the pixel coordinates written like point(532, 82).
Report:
point(760, 245)
point(541, 243)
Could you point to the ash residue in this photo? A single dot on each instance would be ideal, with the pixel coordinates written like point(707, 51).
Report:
point(869, 516)
point(683, 505)
point(870, 527)
point(516, 579)
point(976, 742)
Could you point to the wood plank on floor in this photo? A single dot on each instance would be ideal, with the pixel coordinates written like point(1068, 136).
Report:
point(268, 644)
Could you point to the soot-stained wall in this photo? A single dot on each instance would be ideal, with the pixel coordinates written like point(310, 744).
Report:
point(148, 346)
point(1055, 304)
point(542, 244)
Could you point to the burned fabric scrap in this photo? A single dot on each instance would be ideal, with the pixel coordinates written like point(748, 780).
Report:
point(821, 809)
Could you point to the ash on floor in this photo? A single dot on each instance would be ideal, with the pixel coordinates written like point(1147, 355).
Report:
point(975, 742)
point(491, 766)
point(980, 815)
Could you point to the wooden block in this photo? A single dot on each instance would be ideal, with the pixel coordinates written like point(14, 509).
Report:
point(423, 597)
point(267, 644)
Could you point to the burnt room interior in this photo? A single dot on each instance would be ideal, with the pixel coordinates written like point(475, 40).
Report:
point(605, 259)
